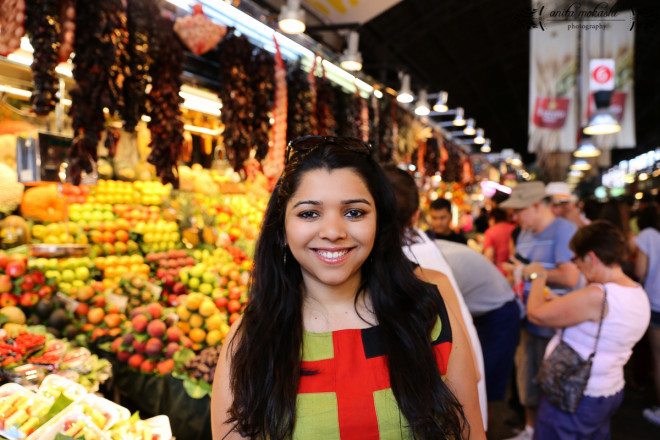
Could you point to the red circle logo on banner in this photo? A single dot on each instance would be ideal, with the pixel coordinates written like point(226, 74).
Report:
point(602, 74)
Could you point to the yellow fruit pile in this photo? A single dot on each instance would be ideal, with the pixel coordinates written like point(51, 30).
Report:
point(201, 321)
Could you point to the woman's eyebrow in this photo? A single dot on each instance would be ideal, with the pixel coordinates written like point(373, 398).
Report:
point(351, 201)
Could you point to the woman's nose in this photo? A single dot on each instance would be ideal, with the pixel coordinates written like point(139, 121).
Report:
point(332, 227)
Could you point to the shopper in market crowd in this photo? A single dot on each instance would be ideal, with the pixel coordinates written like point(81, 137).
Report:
point(496, 312)
point(331, 286)
point(432, 266)
point(497, 238)
point(440, 222)
point(624, 307)
point(543, 239)
point(647, 270)
point(564, 203)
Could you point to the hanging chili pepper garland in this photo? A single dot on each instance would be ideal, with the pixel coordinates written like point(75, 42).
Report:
point(12, 21)
point(300, 103)
point(68, 29)
point(326, 107)
point(140, 16)
point(237, 98)
point(274, 162)
point(99, 71)
point(262, 79)
point(43, 29)
point(163, 101)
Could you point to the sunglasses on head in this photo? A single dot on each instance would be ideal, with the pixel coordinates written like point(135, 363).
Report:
point(308, 143)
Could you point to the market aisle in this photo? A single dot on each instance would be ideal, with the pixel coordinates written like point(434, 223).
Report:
point(627, 423)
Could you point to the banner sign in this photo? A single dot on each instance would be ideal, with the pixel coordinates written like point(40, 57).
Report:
point(615, 41)
point(349, 11)
point(552, 89)
point(601, 74)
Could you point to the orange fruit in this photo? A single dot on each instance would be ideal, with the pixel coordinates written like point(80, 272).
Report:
point(207, 307)
point(194, 300)
point(183, 312)
point(184, 326)
point(213, 337)
point(95, 315)
point(196, 321)
point(197, 335)
point(213, 322)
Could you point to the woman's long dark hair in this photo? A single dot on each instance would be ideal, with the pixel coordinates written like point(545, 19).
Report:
point(265, 370)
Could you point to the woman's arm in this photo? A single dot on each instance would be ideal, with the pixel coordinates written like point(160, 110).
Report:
point(563, 311)
point(448, 295)
point(462, 380)
point(641, 265)
point(221, 396)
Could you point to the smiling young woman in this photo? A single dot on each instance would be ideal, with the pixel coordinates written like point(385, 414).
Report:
point(339, 339)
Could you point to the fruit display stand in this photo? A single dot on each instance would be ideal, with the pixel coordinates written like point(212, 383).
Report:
point(165, 276)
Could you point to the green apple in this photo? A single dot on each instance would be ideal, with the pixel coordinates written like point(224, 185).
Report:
point(64, 287)
point(68, 275)
point(54, 274)
point(193, 283)
point(198, 270)
point(205, 288)
point(184, 276)
point(208, 277)
point(82, 273)
point(77, 283)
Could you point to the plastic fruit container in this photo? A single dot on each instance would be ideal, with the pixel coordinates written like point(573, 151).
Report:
point(21, 411)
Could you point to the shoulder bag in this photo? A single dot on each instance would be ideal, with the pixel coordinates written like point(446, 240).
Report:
point(563, 376)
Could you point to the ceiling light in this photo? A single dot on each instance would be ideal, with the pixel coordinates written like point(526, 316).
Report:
point(405, 94)
point(576, 173)
point(459, 121)
point(292, 18)
point(602, 121)
point(485, 148)
point(352, 58)
point(469, 128)
point(441, 105)
point(423, 107)
point(479, 138)
point(642, 177)
point(581, 165)
point(586, 148)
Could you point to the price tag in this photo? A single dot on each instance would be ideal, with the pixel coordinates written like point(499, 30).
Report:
point(119, 301)
point(155, 291)
point(69, 303)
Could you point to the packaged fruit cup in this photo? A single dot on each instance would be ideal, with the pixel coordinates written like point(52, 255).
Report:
point(21, 411)
point(27, 375)
point(155, 428)
point(103, 412)
point(72, 423)
point(54, 385)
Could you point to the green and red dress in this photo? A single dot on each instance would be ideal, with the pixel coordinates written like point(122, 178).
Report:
point(345, 391)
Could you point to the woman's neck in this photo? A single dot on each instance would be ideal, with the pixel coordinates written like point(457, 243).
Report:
point(327, 309)
point(613, 274)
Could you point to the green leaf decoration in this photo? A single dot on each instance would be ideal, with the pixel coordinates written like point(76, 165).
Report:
point(60, 436)
point(196, 389)
point(181, 357)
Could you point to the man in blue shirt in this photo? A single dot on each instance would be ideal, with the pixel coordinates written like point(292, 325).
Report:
point(544, 238)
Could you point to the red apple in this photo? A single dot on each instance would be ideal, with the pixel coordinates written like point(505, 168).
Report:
point(8, 299)
point(174, 334)
point(233, 306)
point(165, 367)
point(140, 323)
point(38, 277)
point(82, 309)
point(45, 291)
point(27, 284)
point(135, 361)
point(221, 302)
point(4, 259)
point(147, 366)
point(15, 268)
point(28, 299)
point(139, 346)
point(179, 288)
point(99, 301)
point(123, 356)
